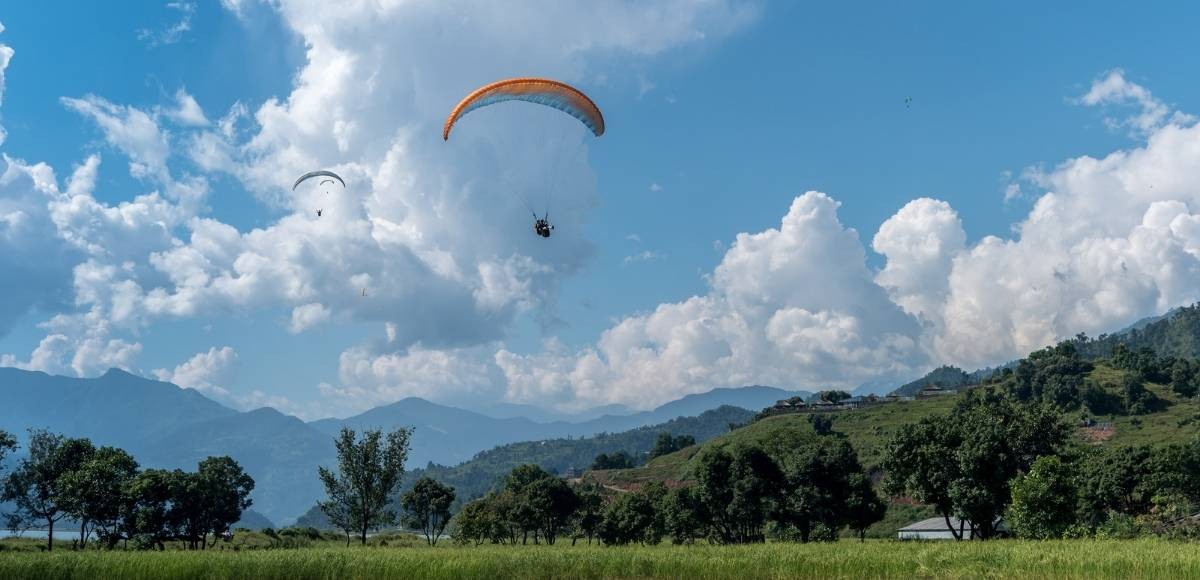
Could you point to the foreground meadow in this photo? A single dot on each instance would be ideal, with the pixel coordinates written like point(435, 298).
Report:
point(878, 559)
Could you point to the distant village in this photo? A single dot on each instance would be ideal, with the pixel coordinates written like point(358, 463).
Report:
point(842, 401)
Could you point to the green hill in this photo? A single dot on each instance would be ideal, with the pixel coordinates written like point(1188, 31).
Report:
point(1176, 334)
point(1177, 420)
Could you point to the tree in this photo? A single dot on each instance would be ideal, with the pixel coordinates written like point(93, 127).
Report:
point(919, 462)
point(1138, 400)
point(474, 523)
point(91, 494)
point(833, 396)
point(552, 502)
point(209, 500)
point(666, 444)
point(368, 475)
point(818, 486)
point(635, 517)
point(148, 519)
point(1043, 500)
point(863, 507)
point(427, 507)
point(737, 491)
point(225, 491)
point(683, 516)
point(963, 463)
point(821, 424)
point(588, 514)
point(525, 512)
point(1183, 379)
point(1115, 479)
point(35, 486)
point(618, 460)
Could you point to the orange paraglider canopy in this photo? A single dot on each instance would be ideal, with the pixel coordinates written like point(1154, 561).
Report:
point(547, 92)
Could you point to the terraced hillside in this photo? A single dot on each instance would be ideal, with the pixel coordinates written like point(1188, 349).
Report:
point(1177, 420)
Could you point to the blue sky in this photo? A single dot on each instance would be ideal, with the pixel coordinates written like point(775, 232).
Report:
point(720, 115)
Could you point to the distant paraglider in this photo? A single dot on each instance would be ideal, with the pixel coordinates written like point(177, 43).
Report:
point(550, 93)
point(318, 173)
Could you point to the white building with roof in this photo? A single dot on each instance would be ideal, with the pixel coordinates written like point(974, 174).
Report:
point(936, 529)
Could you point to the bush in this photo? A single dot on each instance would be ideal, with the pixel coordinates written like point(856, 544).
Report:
point(1118, 526)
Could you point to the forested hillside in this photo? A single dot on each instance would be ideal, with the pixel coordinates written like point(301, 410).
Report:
point(1132, 399)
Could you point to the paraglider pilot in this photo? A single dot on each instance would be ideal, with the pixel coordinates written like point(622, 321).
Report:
point(542, 226)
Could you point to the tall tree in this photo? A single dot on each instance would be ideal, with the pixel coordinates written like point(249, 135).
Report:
point(920, 463)
point(864, 507)
point(148, 517)
point(552, 502)
point(427, 507)
point(92, 493)
point(819, 477)
point(35, 486)
point(225, 489)
point(524, 512)
point(589, 514)
point(738, 491)
point(368, 476)
point(474, 523)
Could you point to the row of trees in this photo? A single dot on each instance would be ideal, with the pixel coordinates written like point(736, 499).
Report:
point(807, 490)
point(963, 463)
point(1109, 491)
point(994, 458)
point(105, 493)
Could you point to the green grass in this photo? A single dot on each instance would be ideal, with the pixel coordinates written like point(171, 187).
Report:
point(846, 559)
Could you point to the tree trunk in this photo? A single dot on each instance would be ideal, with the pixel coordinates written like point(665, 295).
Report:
point(50, 535)
point(83, 534)
point(957, 534)
point(363, 536)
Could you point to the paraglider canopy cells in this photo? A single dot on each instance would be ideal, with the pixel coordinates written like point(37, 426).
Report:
point(550, 93)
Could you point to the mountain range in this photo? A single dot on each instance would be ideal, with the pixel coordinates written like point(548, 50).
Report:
point(166, 426)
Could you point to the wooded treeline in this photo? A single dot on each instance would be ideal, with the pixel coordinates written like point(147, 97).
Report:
point(104, 492)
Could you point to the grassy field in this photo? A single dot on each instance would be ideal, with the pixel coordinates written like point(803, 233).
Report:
point(878, 559)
